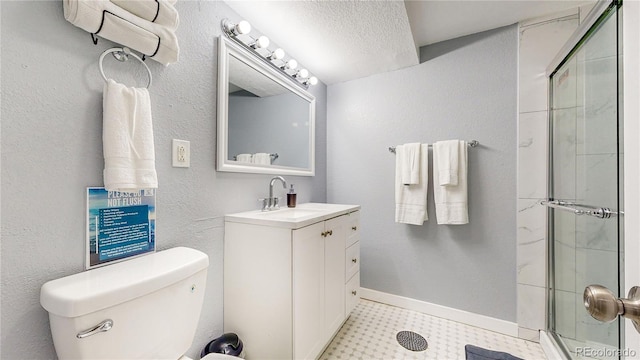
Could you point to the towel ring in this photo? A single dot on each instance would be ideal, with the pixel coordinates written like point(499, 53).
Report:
point(122, 54)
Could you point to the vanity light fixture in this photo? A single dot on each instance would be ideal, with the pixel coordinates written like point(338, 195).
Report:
point(274, 58)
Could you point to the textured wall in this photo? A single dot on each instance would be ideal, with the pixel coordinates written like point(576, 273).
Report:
point(464, 88)
point(52, 150)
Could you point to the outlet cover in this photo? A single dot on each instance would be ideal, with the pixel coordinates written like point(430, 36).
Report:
point(180, 153)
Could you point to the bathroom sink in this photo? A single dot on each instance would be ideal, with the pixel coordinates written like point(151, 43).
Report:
point(292, 218)
point(290, 213)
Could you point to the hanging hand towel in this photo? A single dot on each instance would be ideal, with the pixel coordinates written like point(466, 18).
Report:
point(451, 201)
point(409, 157)
point(127, 139)
point(108, 20)
point(411, 200)
point(445, 153)
point(160, 12)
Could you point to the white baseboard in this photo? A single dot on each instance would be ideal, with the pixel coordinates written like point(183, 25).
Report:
point(461, 316)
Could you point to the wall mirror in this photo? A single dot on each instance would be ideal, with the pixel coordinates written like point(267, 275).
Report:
point(266, 124)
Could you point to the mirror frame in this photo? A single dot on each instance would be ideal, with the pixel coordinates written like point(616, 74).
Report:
point(226, 48)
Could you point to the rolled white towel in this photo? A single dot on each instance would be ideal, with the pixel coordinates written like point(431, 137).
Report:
point(108, 20)
point(160, 12)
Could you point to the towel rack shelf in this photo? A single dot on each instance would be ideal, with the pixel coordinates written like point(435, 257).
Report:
point(471, 143)
point(273, 156)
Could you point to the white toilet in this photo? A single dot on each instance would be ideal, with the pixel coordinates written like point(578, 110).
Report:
point(144, 308)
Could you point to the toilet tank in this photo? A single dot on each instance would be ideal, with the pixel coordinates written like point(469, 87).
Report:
point(153, 303)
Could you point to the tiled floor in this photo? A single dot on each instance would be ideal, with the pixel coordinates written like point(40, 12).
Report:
point(370, 333)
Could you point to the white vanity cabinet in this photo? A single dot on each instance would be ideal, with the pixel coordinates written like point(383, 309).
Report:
point(286, 284)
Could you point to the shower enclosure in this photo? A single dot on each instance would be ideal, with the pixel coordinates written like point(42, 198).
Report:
point(585, 188)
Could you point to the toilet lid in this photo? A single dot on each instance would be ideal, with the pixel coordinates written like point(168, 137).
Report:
point(217, 356)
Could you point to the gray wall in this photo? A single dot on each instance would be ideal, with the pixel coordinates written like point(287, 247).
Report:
point(466, 89)
point(52, 150)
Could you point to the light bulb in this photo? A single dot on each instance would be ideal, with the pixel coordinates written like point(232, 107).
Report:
point(277, 54)
point(303, 73)
point(290, 65)
point(261, 42)
point(313, 80)
point(243, 27)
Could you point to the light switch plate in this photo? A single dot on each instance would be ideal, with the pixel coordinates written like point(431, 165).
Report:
point(180, 153)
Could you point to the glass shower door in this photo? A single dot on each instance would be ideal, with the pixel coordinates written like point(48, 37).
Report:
point(585, 175)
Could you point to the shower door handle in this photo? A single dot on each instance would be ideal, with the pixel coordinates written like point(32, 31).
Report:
point(579, 209)
point(604, 306)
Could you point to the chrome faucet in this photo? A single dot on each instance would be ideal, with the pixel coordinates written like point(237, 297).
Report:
point(271, 203)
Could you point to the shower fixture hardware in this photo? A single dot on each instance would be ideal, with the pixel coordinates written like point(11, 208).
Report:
point(239, 33)
point(604, 306)
point(470, 143)
point(599, 212)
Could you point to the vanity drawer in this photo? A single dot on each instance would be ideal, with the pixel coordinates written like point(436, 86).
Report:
point(352, 260)
point(352, 293)
point(353, 228)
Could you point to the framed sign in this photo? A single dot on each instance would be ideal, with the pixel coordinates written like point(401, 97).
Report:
point(120, 225)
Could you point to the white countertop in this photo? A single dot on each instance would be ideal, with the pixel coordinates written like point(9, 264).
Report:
point(292, 218)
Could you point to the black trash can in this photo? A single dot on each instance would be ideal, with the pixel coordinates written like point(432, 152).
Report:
point(228, 344)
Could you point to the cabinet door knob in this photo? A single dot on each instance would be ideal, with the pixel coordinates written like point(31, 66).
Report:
point(323, 234)
point(354, 228)
point(354, 293)
point(330, 232)
point(354, 260)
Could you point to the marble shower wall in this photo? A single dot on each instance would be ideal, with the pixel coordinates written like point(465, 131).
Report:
point(540, 40)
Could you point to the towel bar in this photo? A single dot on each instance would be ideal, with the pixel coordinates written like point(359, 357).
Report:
point(471, 143)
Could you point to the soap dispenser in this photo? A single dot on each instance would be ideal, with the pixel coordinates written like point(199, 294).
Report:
point(291, 198)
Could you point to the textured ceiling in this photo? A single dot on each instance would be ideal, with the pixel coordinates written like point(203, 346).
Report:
point(345, 40)
point(434, 21)
point(336, 40)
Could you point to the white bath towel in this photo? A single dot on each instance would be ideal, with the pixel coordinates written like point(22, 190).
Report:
point(445, 153)
point(262, 158)
point(160, 12)
point(108, 20)
point(411, 200)
point(408, 155)
point(451, 201)
point(247, 158)
point(127, 139)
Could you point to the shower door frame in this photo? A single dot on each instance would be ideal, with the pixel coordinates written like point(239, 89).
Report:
point(629, 117)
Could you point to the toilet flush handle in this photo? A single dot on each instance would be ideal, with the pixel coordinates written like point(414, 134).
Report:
point(102, 327)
